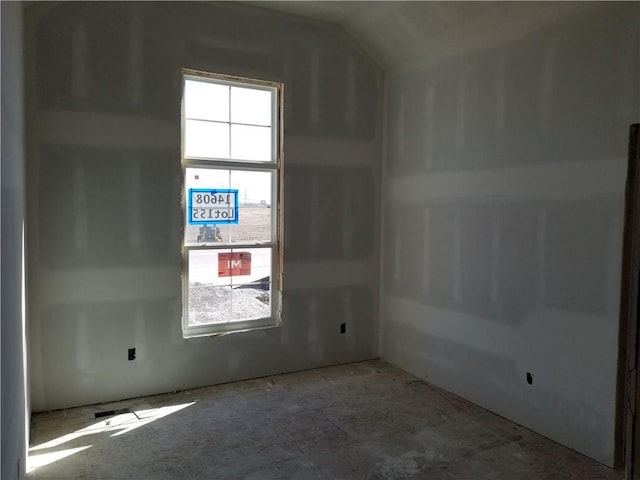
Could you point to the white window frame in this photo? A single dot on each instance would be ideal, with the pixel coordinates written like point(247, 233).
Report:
point(277, 214)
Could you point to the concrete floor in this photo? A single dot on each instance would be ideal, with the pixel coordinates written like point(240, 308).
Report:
point(360, 421)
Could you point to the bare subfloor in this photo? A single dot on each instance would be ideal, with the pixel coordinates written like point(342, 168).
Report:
point(360, 421)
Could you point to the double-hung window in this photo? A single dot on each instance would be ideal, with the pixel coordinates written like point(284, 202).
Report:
point(232, 203)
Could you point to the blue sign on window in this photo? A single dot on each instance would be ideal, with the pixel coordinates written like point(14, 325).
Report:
point(211, 206)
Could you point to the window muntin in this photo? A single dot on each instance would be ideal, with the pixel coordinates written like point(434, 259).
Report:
point(232, 198)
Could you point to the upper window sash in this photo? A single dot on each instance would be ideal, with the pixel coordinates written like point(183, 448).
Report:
point(236, 121)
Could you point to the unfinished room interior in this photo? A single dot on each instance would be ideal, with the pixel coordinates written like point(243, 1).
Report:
point(320, 240)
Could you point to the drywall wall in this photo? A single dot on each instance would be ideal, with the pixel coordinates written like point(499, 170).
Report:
point(503, 197)
point(104, 92)
point(13, 393)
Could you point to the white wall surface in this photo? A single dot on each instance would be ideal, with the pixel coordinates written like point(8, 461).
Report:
point(13, 403)
point(503, 213)
point(103, 86)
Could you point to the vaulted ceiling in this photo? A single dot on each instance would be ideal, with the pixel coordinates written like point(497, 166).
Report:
point(399, 34)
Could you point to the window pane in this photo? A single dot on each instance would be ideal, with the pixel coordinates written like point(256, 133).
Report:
point(252, 106)
point(251, 143)
point(251, 283)
point(254, 215)
point(206, 139)
point(209, 304)
point(229, 284)
point(207, 178)
point(252, 301)
point(253, 190)
point(206, 101)
point(203, 268)
point(206, 232)
point(248, 266)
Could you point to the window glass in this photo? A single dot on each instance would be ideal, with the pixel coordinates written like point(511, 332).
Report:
point(251, 143)
point(229, 285)
point(208, 192)
point(255, 192)
point(251, 106)
point(206, 101)
point(206, 139)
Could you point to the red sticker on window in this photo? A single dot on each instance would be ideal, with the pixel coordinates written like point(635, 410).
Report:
point(233, 264)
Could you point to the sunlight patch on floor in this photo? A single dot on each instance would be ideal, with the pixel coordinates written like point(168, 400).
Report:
point(36, 461)
point(119, 424)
